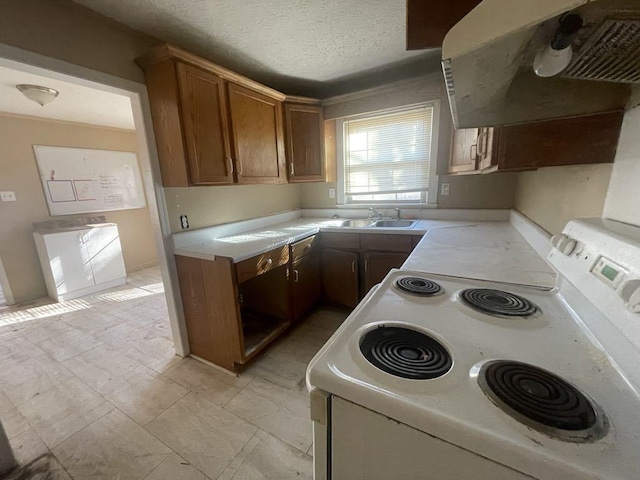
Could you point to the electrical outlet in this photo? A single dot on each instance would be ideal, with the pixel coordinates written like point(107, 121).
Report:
point(332, 193)
point(184, 222)
point(8, 196)
point(444, 189)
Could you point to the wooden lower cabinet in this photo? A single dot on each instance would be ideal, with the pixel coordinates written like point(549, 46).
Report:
point(378, 264)
point(211, 310)
point(228, 323)
point(340, 277)
point(306, 285)
point(352, 263)
point(234, 310)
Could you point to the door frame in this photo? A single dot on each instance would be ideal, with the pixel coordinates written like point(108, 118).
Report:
point(24, 60)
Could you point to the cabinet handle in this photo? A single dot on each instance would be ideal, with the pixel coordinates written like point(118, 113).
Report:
point(366, 265)
point(267, 263)
point(474, 156)
point(296, 276)
point(239, 167)
point(230, 165)
point(292, 169)
point(353, 267)
point(482, 152)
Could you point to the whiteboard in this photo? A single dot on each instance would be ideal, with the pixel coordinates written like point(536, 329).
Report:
point(77, 180)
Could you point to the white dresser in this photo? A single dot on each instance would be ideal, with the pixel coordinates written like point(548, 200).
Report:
point(80, 260)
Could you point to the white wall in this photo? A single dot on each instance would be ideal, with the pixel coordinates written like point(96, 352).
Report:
point(623, 196)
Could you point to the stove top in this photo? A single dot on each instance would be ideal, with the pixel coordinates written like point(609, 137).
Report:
point(542, 400)
point(532, 389)
point(498, 303)
point(418, 286)
point(405, 353)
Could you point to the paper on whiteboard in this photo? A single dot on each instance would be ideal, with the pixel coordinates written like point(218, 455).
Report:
point(78, 180)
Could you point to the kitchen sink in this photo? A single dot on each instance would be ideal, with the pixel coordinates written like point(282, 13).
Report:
point(368, 223)
point(357, 223)
point(394, 223)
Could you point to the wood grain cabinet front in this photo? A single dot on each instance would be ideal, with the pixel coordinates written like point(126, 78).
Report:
point(352, 263)
point(579, 140)
point(233, 311)
point(377, 265)
point(304, 128)
point(213, 126)
point(340, 277)
point(205, 126)
point(258, 141)
point(306, 285)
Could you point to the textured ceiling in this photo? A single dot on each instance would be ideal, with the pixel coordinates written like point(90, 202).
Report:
point(74, 104)
point(298, 46)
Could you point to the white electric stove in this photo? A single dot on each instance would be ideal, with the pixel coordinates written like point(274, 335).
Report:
point(436, 377)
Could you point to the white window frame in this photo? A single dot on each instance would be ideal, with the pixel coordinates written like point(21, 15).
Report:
point(428, 198)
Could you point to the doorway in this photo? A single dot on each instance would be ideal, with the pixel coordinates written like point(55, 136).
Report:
point(142, 137)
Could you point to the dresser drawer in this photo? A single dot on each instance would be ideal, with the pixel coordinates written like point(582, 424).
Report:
point(386, 243)
point(303, 247)
point(254, 266)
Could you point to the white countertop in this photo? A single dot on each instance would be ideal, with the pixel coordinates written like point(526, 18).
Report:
point(493, 251)
point(484, 250)
point(254, 242)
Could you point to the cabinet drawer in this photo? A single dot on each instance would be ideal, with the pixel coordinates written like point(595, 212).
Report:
point(303, 247)
point(348, 241)
point(260, 264)
point(386, 243)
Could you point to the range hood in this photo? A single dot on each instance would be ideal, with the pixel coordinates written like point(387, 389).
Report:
point(488, 58)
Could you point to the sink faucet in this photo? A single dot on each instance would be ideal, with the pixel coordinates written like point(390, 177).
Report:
point(372, 212)
point(397, 213)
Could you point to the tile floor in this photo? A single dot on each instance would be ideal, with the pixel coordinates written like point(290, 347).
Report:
point(95, 383)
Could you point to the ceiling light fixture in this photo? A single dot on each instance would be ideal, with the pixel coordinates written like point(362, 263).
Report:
point(554, 58)
point(38, 94)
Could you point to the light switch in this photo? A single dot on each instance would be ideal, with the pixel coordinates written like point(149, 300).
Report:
point(8, 196)
point(332, 193)
point(444, 189)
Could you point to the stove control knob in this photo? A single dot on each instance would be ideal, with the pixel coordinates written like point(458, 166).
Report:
point(564, 244)
point(630, 294)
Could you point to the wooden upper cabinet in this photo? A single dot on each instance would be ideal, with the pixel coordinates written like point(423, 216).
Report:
point(304, 128)
point(257, 131)
point(205, 124)
point(564, 141)
point(212, 125)
point(428, 21)
point(578, 140)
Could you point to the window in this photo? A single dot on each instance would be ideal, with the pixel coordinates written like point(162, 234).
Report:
point(388, 157)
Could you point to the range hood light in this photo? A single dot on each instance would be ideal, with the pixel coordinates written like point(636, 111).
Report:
point(554, 58)
point(550, 62)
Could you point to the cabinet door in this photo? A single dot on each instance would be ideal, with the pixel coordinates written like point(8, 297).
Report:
point(305, 131)
point(306, 284)
point(564, 141)
point(488, 141)
point(340, 277)
point(105, 251)
point(206, 128)
point(69, 260)
point(464, 151)
point(377, 265)
point(257, 136)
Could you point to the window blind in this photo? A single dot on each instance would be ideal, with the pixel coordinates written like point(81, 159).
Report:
point(388, 153)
